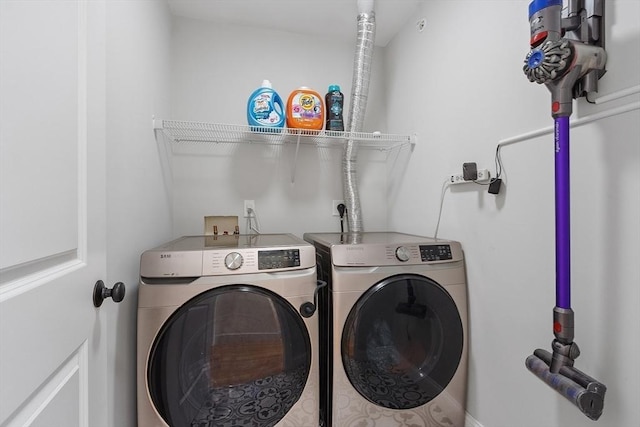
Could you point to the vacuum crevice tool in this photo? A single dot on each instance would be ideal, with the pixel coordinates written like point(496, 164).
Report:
point(579, 388)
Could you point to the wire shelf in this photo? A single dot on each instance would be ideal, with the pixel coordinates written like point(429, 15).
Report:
point(182, 131)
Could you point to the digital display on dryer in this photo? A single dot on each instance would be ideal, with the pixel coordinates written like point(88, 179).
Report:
point(285, 258)
point(435, 252)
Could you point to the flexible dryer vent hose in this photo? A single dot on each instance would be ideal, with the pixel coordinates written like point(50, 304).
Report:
point(358, 105)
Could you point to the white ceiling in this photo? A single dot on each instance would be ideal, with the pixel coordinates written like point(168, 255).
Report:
point(336, 18)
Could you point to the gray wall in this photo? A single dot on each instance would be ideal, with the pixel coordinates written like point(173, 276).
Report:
point(138, 209)
point(468, 93)
point(460, 87)
point(214, 70)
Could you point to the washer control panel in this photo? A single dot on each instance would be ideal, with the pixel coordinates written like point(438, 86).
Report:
point(254, 260)
point(276, 259)
point(435, 253)
point(209, 255)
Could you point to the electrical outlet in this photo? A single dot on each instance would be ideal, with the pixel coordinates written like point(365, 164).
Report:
point(484, 176)
point(249, 204)
point(334, 207)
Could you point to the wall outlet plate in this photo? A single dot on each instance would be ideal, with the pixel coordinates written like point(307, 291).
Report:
point(334, 207)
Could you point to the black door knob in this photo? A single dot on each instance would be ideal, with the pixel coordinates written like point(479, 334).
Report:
point(101, 292)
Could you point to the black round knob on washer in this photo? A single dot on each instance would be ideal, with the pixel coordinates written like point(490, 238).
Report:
point(307, 309)
point(101, 292)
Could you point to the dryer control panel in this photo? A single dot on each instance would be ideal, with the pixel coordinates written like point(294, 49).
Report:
point(407, 254)
point(377, 249)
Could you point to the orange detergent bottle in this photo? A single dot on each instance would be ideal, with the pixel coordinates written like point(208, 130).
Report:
point(305, 109)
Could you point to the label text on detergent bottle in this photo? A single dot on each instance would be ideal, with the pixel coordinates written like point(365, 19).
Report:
point(306, 106)
point(263, 110)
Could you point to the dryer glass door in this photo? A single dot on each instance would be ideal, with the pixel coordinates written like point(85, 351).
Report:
point(234, 355)
point(402, 342)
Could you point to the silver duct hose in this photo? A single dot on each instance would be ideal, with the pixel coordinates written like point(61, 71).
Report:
point(359, 95)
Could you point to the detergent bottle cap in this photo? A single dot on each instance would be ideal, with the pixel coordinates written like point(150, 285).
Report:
point(266, 83)
point(334, 88)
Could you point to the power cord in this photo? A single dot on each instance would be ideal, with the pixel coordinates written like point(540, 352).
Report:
point(251, 215)
point(496, 182)
point(494, 186)
point(341, 210)
point(445, 185)
point(498, 161)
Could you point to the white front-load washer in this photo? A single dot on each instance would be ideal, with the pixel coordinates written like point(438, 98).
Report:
point(227, 333)
point(395, 332)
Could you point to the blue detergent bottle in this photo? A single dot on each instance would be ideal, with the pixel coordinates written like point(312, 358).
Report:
point(265, 109)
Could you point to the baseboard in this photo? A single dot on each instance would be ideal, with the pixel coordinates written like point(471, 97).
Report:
point(469, 421)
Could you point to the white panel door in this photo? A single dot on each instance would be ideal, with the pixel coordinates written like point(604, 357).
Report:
point(52, 213)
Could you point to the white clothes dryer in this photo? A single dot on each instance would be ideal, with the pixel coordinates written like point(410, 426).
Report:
point(396, 330)
point(227, 333)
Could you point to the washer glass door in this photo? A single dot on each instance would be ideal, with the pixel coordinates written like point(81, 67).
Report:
point(402, 342)
point(234, 355)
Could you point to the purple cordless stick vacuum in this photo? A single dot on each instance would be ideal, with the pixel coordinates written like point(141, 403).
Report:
point(569, 68)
